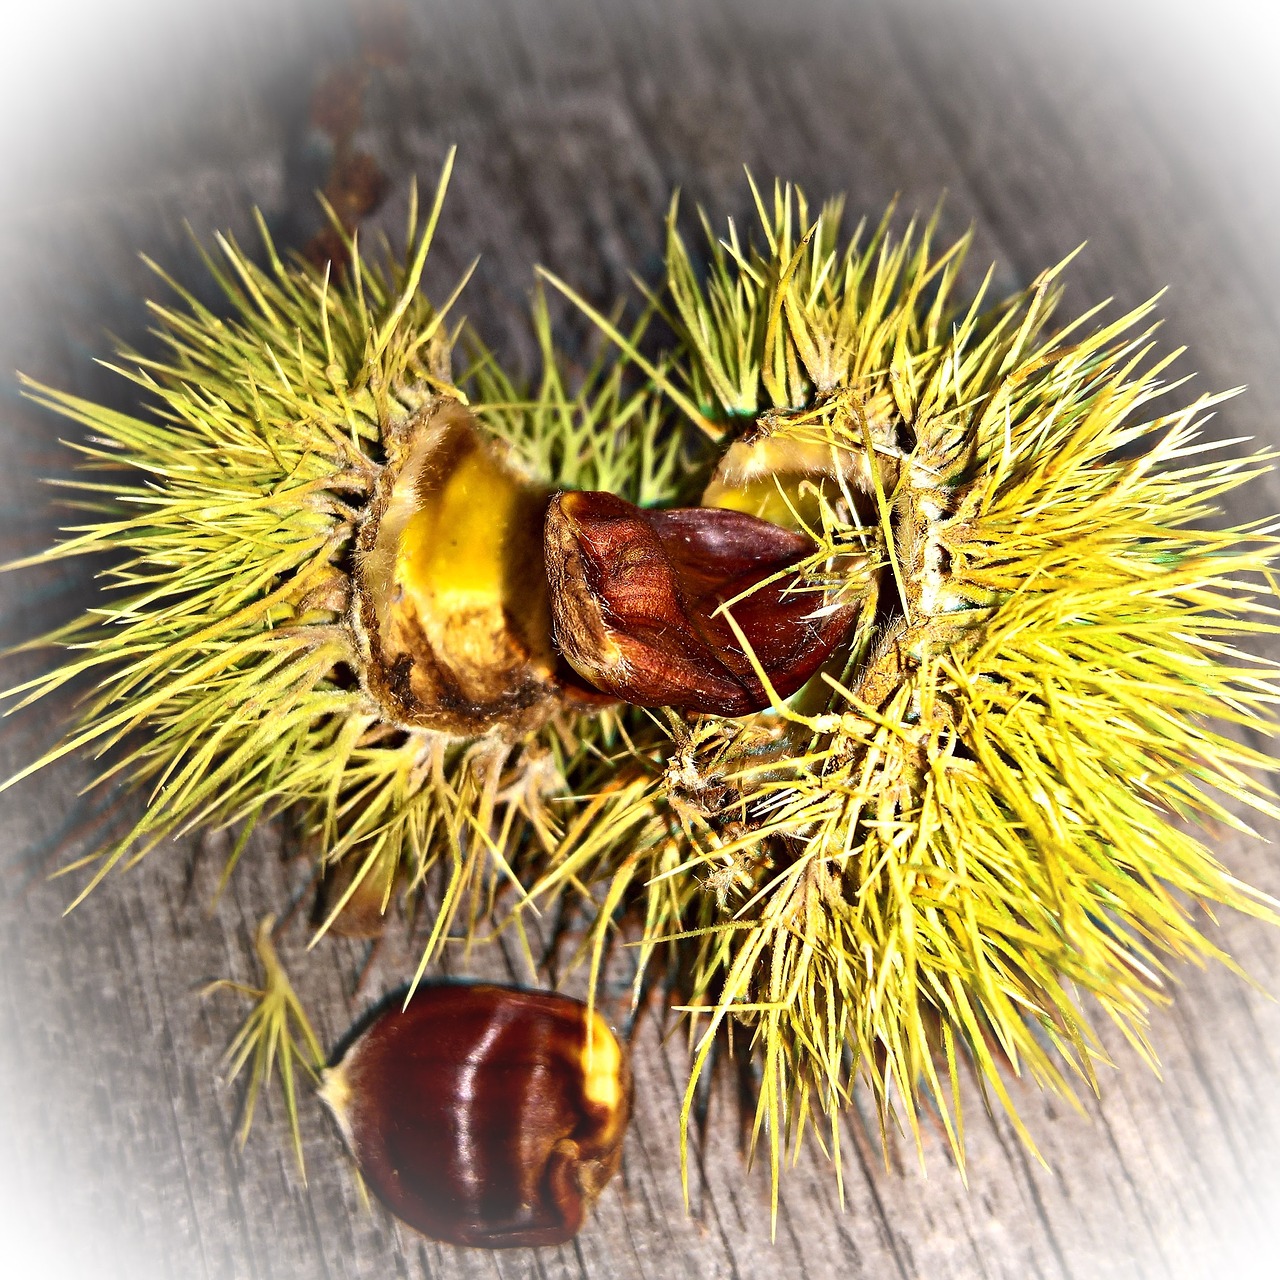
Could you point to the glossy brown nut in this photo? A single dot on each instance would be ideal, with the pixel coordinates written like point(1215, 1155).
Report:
point(635, 594)
point(485, 1115)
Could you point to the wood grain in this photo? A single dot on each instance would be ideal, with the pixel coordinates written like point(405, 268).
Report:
point(1146, 131)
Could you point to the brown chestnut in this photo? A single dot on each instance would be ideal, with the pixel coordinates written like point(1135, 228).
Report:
point(485, 1115)
point(636, 594)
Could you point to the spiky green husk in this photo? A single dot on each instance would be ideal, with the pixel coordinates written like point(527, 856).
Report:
point(961, 844)
point(974, 836)
point(221, 661)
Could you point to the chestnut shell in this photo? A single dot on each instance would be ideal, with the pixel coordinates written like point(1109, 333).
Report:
point(481, 1116)
point(636, 594)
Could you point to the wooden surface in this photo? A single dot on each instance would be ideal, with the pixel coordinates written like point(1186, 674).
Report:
point(1150, 136)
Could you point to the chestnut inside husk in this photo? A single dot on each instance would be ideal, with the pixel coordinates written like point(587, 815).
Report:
point(640, 600)
point(450, 610)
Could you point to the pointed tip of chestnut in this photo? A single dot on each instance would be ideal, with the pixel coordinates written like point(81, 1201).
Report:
point(485, 1115)
point(636, 597)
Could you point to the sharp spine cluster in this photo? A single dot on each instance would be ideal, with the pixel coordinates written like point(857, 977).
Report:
point(968, 838)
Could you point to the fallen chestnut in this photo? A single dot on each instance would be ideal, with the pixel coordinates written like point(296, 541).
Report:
point(485, 1115)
